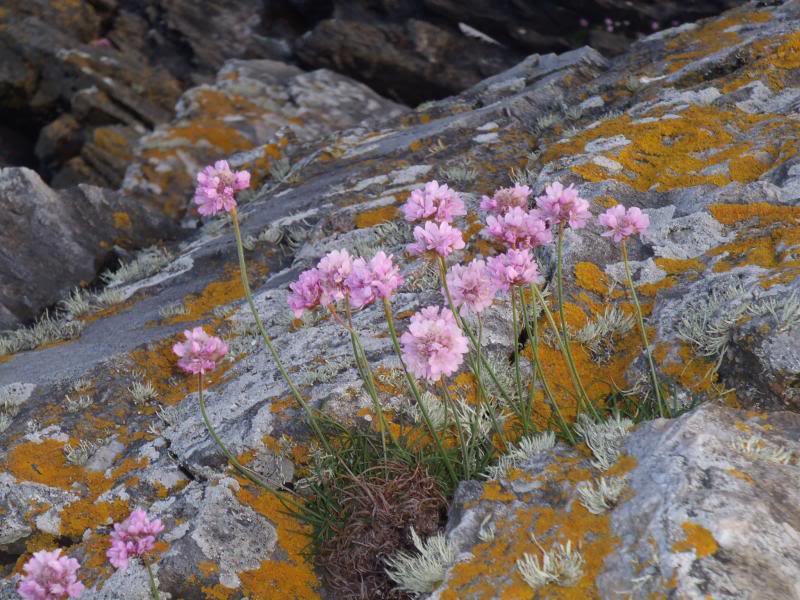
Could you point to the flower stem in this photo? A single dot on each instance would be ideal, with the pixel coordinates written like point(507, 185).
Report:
point(533, 336)
point(366, 376)
point(268, 342)
point(565, 346)
point(412, 385)
point(662, 409)
point(517, 373)
point(153, 586)
point(464, 452)
point(482, 395)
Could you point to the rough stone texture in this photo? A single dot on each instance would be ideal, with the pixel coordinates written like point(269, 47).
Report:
point(696, 124)
point(52, 240)
point(698, 517)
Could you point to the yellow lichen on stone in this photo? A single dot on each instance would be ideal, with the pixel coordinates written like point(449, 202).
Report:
point(698, 540)
point(589, 276)
point(375, 216)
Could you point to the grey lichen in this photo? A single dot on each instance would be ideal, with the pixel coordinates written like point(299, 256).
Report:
point(146, 263)
point(561, 564)
point(524, 450)
point(600, 495)
point(604, 439)
point(46, 330)
point(756, 448)
point(419, 573)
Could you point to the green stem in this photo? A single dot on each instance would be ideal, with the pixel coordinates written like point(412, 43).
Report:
point(460, 434)
point(268, 342)
point(366, 376)
point(153, 586)
point(517, 373)
point(662, 409)
point(565, 346)
point(461, 323)
point(533, 336)
point(482, 395)
point(412, 385)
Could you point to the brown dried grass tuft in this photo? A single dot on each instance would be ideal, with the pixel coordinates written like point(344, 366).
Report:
point(379, 507)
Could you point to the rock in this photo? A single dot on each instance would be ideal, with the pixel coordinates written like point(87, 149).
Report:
point(698, 516)
point(696, 125)
point(59, 239)
point(414, 61)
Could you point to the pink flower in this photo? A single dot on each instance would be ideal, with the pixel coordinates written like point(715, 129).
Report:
point(506, 198)
point(621, 224)
point(433, 345)
point(439, 238)
point(200, 352)
point(435, 202)
point(518, 228)
point(50, 576)
point(334, 269)
point(514, 268)
point(217, 186)
point(306, 292)
point(135, 536)
point(562, 205)
point(379, 278)
point(471, 287)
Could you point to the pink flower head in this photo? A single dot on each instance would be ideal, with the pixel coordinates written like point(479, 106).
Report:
point(50, 576)
point(514, 268)
point(518, 228)
point(506, 198)
point(135, 536)
point(621, 224)
point(435, 202)
point(433, 345)
point(561, 206)
point(217, 187)
point(471, 287)
point(200, 352)
point(334, 269)
point(440, 238)
point(377, 279)
point(306, 292)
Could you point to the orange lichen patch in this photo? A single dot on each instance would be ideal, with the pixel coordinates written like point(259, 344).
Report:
point(698, 539)
point(492, 572)
point(292, 577)
point(768, 237)
point(651, 289)
point(208, 568)
point(695, 373)
point(45, 463)
point(88, 514)
point(370, 218)
point(589, 276)
point(678, 152)
point(214, 295)
point(677, 266)
point(122, 220)
point(217, 592)
point(774, 57)
point(415, 146)
point(741, 475)
point(158, 364)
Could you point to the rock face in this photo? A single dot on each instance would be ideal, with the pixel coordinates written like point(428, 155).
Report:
point(699, 516)
point(73, 237)
point(695, 124)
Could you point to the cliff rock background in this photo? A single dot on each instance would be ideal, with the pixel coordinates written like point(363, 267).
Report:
point(697, 124)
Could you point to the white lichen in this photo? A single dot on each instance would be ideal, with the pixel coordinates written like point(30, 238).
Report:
point(604, 439)
point(109, 297)
point(460, 173)
point(142, 390)
point(601, 494)
point(147, 262)
point(523, 451)
point(420, 572)
point(756, 448)
point(77, 402)
point(46, 330)
point(561, 564)
point(599, 334)
point(77, 304)
point(175, 309)
point(79, 455)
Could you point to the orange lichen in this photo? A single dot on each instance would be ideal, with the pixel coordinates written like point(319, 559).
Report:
point(589, 276)
point(214, 295)
point(677, 266)
point(290, 577)
point(698, 539)
point(678, 152)
point(122, 220)
point(88, 514)
point(370, 218)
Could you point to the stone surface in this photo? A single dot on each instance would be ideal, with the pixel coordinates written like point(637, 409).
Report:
point(52, 240)
point(698, 517)
point(696, 124)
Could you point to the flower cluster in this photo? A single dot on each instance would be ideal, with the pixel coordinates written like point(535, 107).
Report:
point(621, 223)
point(438, 238)
point(513, 268)
point(505, 199)
point(433, 346)
point(434, 202)
point(338, 276)
point(50, 576)
point(217, 186)
point(562, 206)
point(471, 287)
point(518, 228)
point(135, 536)
point(200, 352)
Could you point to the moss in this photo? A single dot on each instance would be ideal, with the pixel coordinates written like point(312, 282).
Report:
point(698, 540)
